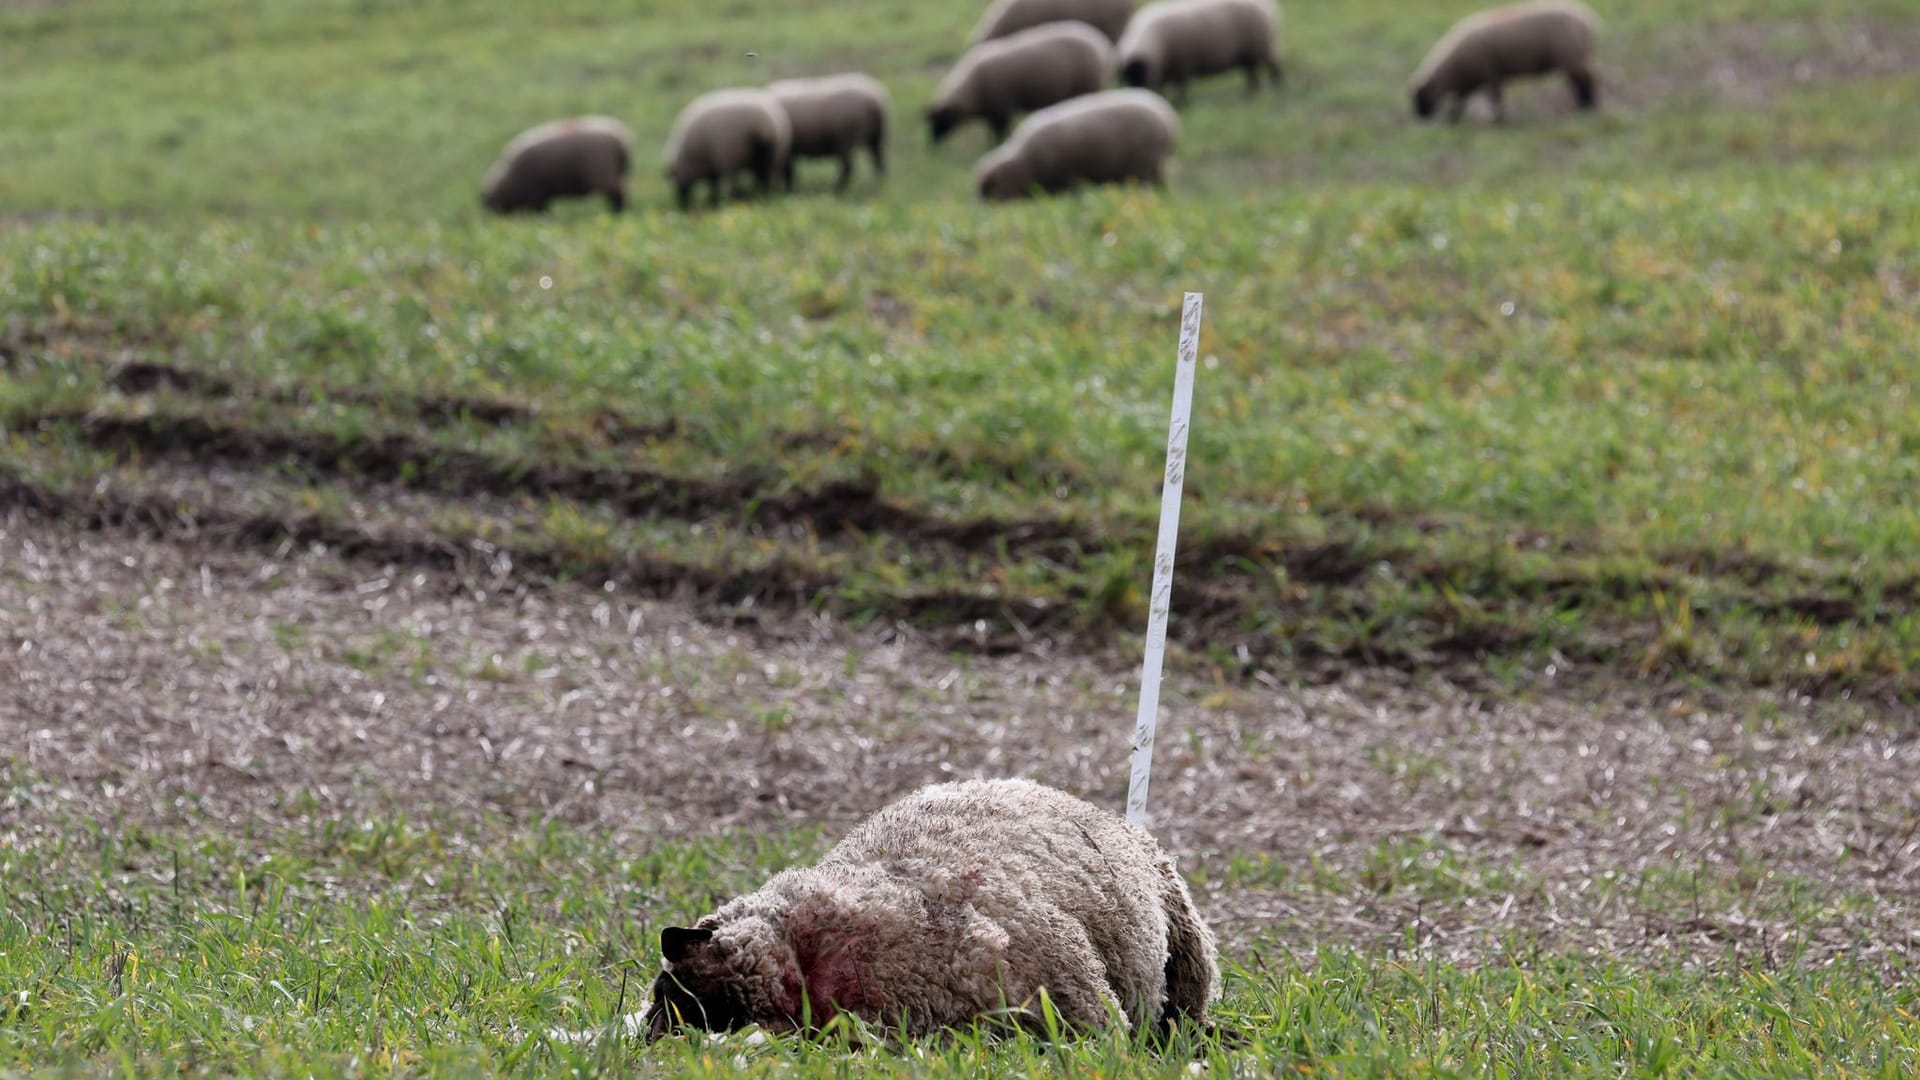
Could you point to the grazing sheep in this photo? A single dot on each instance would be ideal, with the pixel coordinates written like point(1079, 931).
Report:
point(1006, 17)
point(1020, 73)
point(1482, 51)
point(1103, 138)
point(952, 904)
point(723, 133)
point(832, 117)
point(1173, 41)
point(587, 155)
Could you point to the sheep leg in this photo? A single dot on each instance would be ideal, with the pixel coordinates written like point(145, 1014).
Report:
point(846, 173)
point(1000, 123)
point(1586, 88)
point(766, 168)
point(1180, 92)
point(713, 193)
point(1274, 74)
point(1458, 109)
point(1499, 101)
point(616, 200)
point(1253, 76)
point(685, 196)
point(878, 148)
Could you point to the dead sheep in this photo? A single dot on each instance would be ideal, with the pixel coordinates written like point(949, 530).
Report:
point(724, 133)
point(1174, 41)
point(1482, 51)
point(961, 901)
point(833, 116)
point(1006, 17)
point(586, 155)
point(1104, 138)
point(995, 80)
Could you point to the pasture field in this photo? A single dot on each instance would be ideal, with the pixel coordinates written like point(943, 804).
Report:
point(404, 613)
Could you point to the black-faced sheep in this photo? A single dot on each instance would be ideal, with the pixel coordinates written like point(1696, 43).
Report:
point(996, 80)
point(951, 905)
point(1482, 51)
point(834, 116)
point(1104, 138)
point(1005, 17)
point(724, 133)
point(586, 155)
point(1174, 41)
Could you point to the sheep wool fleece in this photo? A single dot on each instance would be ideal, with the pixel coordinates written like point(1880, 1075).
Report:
point(954, 903)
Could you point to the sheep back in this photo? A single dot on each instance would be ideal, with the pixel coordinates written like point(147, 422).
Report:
point(948, 905)
point(1021, 72)
point(833, 114)
point(723, 132)
point(585, 155)
point(1172, 41)
point(1532, 38)
point(1103, 138)
point(1005, 17)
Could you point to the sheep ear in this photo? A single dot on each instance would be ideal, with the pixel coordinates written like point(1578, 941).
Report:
point(678, 941)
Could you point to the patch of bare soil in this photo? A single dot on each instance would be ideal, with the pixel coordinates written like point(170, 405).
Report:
point(146, 681)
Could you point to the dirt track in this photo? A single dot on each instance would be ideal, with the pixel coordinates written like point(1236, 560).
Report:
point(158, 681)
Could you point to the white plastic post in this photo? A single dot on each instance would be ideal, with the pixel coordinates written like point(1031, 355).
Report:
point(1162, 598)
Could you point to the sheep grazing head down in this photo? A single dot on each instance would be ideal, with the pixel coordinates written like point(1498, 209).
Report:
point(959, 903)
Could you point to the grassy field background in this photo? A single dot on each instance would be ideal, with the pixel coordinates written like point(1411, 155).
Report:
point(1612, 401)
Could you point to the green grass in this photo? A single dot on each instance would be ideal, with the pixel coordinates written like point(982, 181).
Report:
point(1656, 449)
point(1625, 397)
point(342, 947)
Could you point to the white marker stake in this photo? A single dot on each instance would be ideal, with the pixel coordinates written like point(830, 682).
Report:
point(1162, 600)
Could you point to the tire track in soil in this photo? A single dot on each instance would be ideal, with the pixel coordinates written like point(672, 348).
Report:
point(1225, 586)
point(835, 509)
point(857, 505)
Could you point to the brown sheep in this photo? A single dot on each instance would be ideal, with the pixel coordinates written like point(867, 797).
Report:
point(726, 132)
point(587, 155)
point(1173, 41)
point(1482, 51)
point(1006, 17)
point(1104, 138)
point(957, 903)
point(995, 80)
point(833, 116)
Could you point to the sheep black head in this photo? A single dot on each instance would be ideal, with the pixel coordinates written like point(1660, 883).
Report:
point(941, 120)
point(695, 988)
point(1137, 72)
point(1424, 102)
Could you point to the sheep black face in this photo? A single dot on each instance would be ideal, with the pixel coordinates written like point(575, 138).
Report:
point(696, 989)
point(1424, 102)
point(1137, 72)
point(941, 122)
